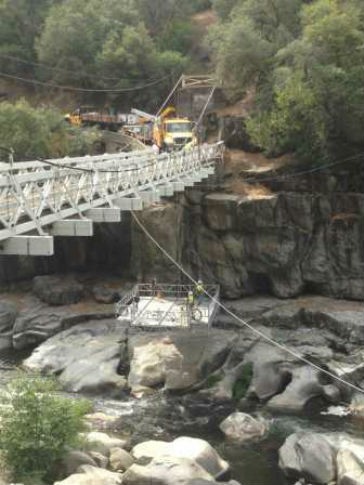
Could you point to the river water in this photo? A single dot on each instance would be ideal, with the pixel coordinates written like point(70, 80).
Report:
point(166, 417)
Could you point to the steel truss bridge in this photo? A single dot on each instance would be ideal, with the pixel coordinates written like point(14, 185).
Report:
point(64, 197)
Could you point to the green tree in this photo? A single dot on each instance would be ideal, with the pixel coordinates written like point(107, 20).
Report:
point(245, 42)
point(318, 86)
point(74, 34)
point(225, 7)
point(20, 23)
point(37, 427)
point(40, 132)
point(105, 45)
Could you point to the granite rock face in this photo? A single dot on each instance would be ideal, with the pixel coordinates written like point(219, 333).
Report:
point(85, 357)
point(8, 313)
point(323, 458)
point(283, 244)
point(58, 290)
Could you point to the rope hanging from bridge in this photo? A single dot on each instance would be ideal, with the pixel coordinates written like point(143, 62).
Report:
point(243, 322)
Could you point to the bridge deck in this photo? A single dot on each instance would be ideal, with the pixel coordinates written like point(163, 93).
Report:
point(36, 195)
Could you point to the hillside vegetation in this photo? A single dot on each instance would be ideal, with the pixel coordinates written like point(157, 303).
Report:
point(303, 59)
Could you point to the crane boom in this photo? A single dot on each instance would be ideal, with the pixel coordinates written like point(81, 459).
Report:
point(143, 114)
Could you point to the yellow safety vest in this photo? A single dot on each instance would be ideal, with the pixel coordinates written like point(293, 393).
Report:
point(199, 290)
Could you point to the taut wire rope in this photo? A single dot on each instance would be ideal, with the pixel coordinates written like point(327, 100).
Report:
point(244, 322)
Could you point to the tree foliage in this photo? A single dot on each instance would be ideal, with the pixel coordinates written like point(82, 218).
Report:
point(106, 45)
point(41, 132)
point(37, 427)
point(306, 60)
point(21, 21)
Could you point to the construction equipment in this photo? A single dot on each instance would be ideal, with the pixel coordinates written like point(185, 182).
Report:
point(168, 129)
point(89, 116)
point(169, 132)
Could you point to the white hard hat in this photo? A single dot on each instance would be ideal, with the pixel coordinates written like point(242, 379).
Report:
point(199, 282)
point(190, 293)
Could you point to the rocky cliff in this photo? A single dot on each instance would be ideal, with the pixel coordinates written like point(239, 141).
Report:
point(300, 235)
point(303, 235)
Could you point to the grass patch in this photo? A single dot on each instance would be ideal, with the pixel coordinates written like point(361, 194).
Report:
point(212, 380)
point(242, 383)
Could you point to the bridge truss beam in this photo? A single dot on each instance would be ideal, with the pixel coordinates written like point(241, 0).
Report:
point(64, 196)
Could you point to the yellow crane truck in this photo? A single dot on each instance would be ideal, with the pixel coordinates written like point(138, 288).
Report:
point(169, 132)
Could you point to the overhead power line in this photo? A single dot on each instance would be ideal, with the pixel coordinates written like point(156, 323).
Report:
point(84, 90)
point(68, 71)
point(320, 168)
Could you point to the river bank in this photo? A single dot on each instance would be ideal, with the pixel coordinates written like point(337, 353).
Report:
point(188, 383)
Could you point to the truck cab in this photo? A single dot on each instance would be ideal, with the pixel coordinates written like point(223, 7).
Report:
point(176, 133)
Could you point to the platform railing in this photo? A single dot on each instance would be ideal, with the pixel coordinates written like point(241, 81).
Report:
point(176, 293)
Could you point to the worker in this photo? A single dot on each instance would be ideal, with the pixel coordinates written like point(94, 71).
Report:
point(190, 299)
point(135, 305)
point(155, 149)
point(199, 292)
point(154, 289)
point(189, 306)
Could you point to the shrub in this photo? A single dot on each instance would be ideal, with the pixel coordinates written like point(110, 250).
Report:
point(38, 426)
point(241, 385)
point(41, 132)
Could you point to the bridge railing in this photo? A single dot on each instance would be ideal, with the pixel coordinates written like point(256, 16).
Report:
point(37, 193)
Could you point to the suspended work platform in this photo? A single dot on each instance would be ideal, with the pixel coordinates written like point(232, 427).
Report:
point(150, 305)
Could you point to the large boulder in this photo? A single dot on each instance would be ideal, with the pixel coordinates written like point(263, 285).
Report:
point(195, 449)
point(305, 385)
point(74, 459)
point(350, 468)
point(166, 470)
point(37, 322)
point(58, 290)
point(8, 313)
point(85, 357)
point(243, 427)
point(90, 475)
point(271, 370)
point(150, 363)
point(176, 360)
point(349, 458)
point(103, 294)
point(120, 460)
point(308, 455)
point(102, 443)
point(150, 449)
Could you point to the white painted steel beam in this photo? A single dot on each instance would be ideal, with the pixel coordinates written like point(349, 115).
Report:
point(178, 186)
point(166, 190)
point(28, 246)
point(188, 181)
point(72, 227)
point(129, 203)
point(34, 195)
point(104, 214)
point(148, 197)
